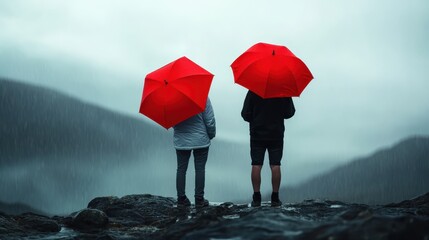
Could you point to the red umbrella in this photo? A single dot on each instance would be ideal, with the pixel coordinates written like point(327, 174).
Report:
point(175, 92)
point(271, 71)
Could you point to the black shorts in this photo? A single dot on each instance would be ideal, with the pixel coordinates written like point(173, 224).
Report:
point(258, 147)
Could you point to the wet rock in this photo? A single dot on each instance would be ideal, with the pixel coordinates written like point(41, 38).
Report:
point(260, 224)
point(8, 224)
point(356, 212)
point(418, 202)
point(191, 219)
point(312, 219)
point(36, 222)
point(103, 203)
point(147, 216)
point(136, 210)
point(90, 219)
point(26, 224)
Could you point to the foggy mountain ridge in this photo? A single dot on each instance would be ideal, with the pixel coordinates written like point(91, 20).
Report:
point(389, 175)
point(36, 121)
point(56, 152)
point(18, 208)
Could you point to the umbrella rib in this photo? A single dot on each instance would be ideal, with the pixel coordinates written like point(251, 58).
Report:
point(193, 100)
point(171, 68)
point(187, 97)
point(293, 75)
point(251, 64)
point(150, 93)
point(294, 80)
point(192, 75)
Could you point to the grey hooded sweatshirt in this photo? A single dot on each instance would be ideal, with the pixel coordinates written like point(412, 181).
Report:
point(197, 131)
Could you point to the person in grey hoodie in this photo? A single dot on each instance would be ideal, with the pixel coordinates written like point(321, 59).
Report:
point(193, 135)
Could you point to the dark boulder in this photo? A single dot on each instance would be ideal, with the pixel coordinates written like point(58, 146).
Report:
point(27, 224)
point(90, 219)
point(135, 210)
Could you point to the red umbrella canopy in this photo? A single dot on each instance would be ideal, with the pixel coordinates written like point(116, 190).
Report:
point(271, 71)
point(175, 92)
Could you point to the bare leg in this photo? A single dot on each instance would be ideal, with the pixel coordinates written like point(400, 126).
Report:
point(275, 177)
point(256, 177)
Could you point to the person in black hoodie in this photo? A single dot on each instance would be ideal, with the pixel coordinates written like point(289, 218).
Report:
point(266, 123)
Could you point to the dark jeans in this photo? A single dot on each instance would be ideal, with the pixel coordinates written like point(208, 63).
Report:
point(200, 159)
point(258, 148)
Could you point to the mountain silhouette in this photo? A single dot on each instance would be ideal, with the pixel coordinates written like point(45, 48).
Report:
point(56, 151)
point(37, 121)
point(389, 175)
point(18, 208)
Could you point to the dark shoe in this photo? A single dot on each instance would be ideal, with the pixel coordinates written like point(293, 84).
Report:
point(183, 201)
point(201, 202)
point(256, 202)
point(276, 203)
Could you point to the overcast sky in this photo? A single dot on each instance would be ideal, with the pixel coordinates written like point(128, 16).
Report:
point(370, 60)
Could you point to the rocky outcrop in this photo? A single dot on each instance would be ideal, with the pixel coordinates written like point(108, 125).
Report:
point(153, 217)
point(27, 224)
point(89, 219)
point(136, 210)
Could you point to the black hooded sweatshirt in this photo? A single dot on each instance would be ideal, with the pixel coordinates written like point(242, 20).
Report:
point(266, 116)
